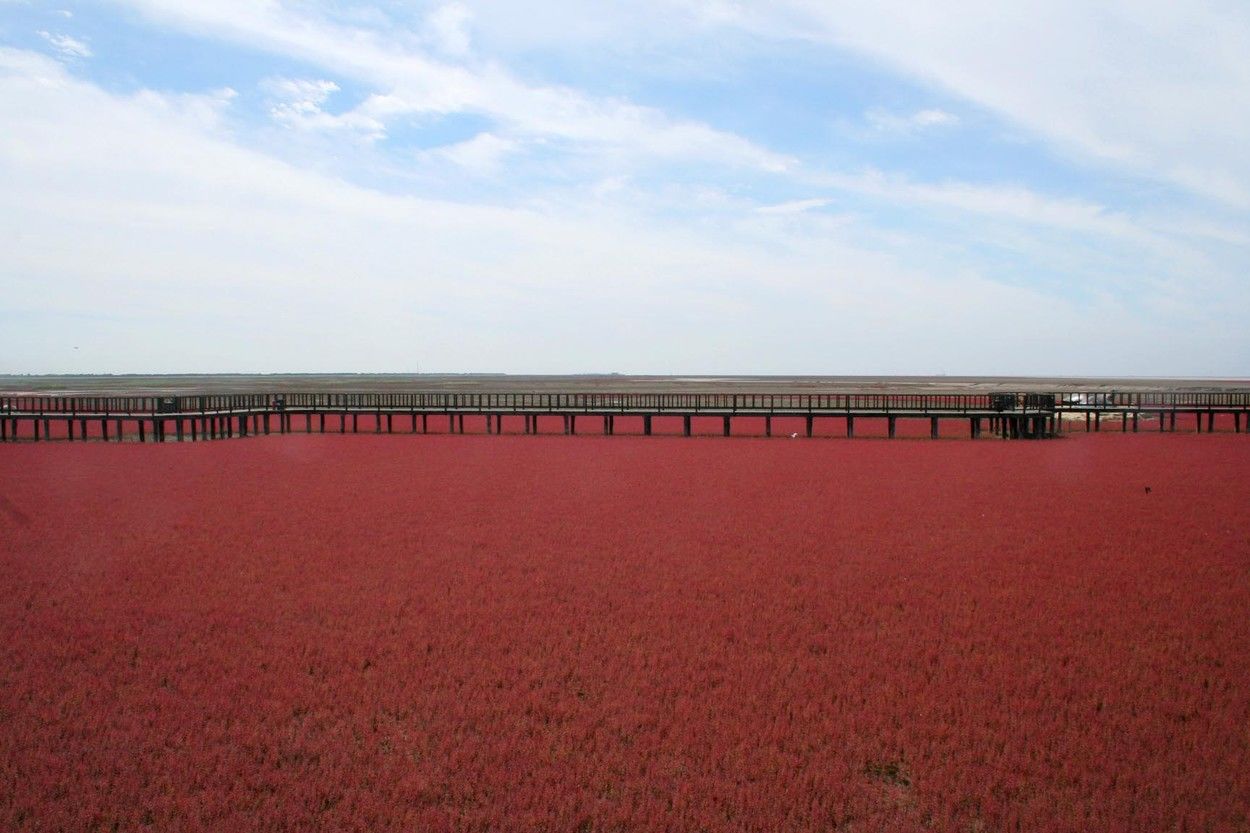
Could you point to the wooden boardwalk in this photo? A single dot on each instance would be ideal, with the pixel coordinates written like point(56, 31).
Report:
point(197, 417)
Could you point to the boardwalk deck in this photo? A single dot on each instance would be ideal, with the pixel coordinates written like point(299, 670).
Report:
point(197, 417)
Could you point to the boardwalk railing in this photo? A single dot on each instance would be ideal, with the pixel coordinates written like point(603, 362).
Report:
point(1011, 414)
point(623, 402)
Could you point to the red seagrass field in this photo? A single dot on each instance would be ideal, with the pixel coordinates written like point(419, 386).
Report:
point(499, 633)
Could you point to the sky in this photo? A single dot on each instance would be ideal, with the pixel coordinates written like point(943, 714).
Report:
point(652, 186)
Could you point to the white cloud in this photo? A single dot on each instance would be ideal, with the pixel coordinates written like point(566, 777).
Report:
point(883, 121)
point(299, 103)
point(1159, 88)
point(411, 82)
point(67, 46)
point(447, 27)
point(204, 111)
point(1152, 88)
point(483, 154)
point(1010, 203)
point(169, 248)
point(299, 96)
point(794, 206)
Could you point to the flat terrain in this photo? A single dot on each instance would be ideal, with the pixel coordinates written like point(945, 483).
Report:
point(575, 634)
point(500, 383)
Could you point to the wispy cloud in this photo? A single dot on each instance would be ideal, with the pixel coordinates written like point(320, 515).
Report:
point(412, 82)
point(299, 103)
point(67, 46)
point(1157, 87)
point(483, 154)
point(884, 121)
point(447, 28)
point(423, 274)
point(793, 206)
point(465, 167)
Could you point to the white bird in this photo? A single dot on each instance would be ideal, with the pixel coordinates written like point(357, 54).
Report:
point(795, 434)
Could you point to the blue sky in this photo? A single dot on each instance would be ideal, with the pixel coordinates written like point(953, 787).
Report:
point(656, 186)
